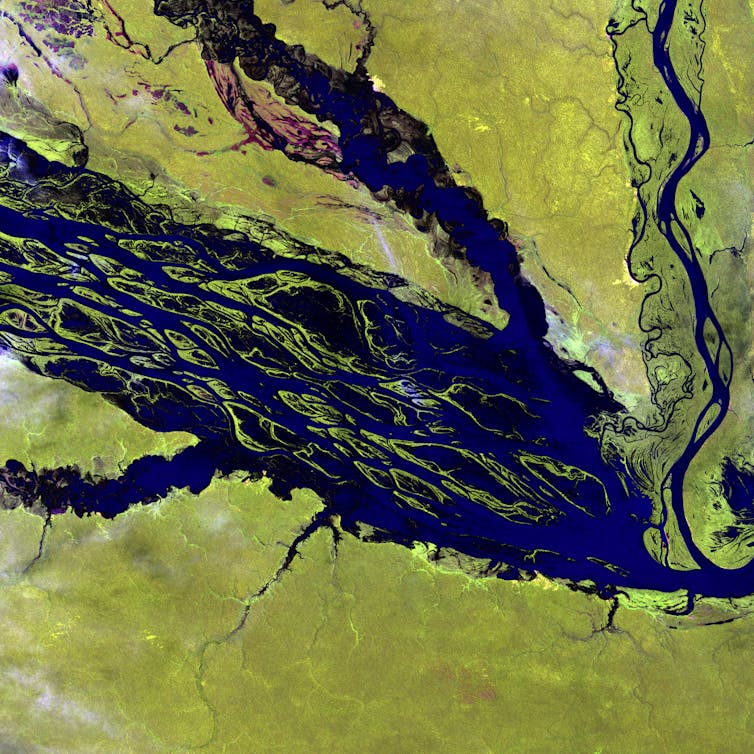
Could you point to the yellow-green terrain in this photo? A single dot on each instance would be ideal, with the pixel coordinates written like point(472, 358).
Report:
point(190, 624)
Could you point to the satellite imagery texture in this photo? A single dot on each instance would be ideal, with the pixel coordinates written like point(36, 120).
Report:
point(377, 376)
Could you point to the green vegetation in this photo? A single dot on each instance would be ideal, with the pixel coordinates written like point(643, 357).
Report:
point(129, 635)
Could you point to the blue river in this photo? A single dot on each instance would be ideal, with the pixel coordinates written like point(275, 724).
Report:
point(410, 426)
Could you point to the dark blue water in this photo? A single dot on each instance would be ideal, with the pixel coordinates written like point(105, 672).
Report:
point(713, 355)
point(399, 419)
